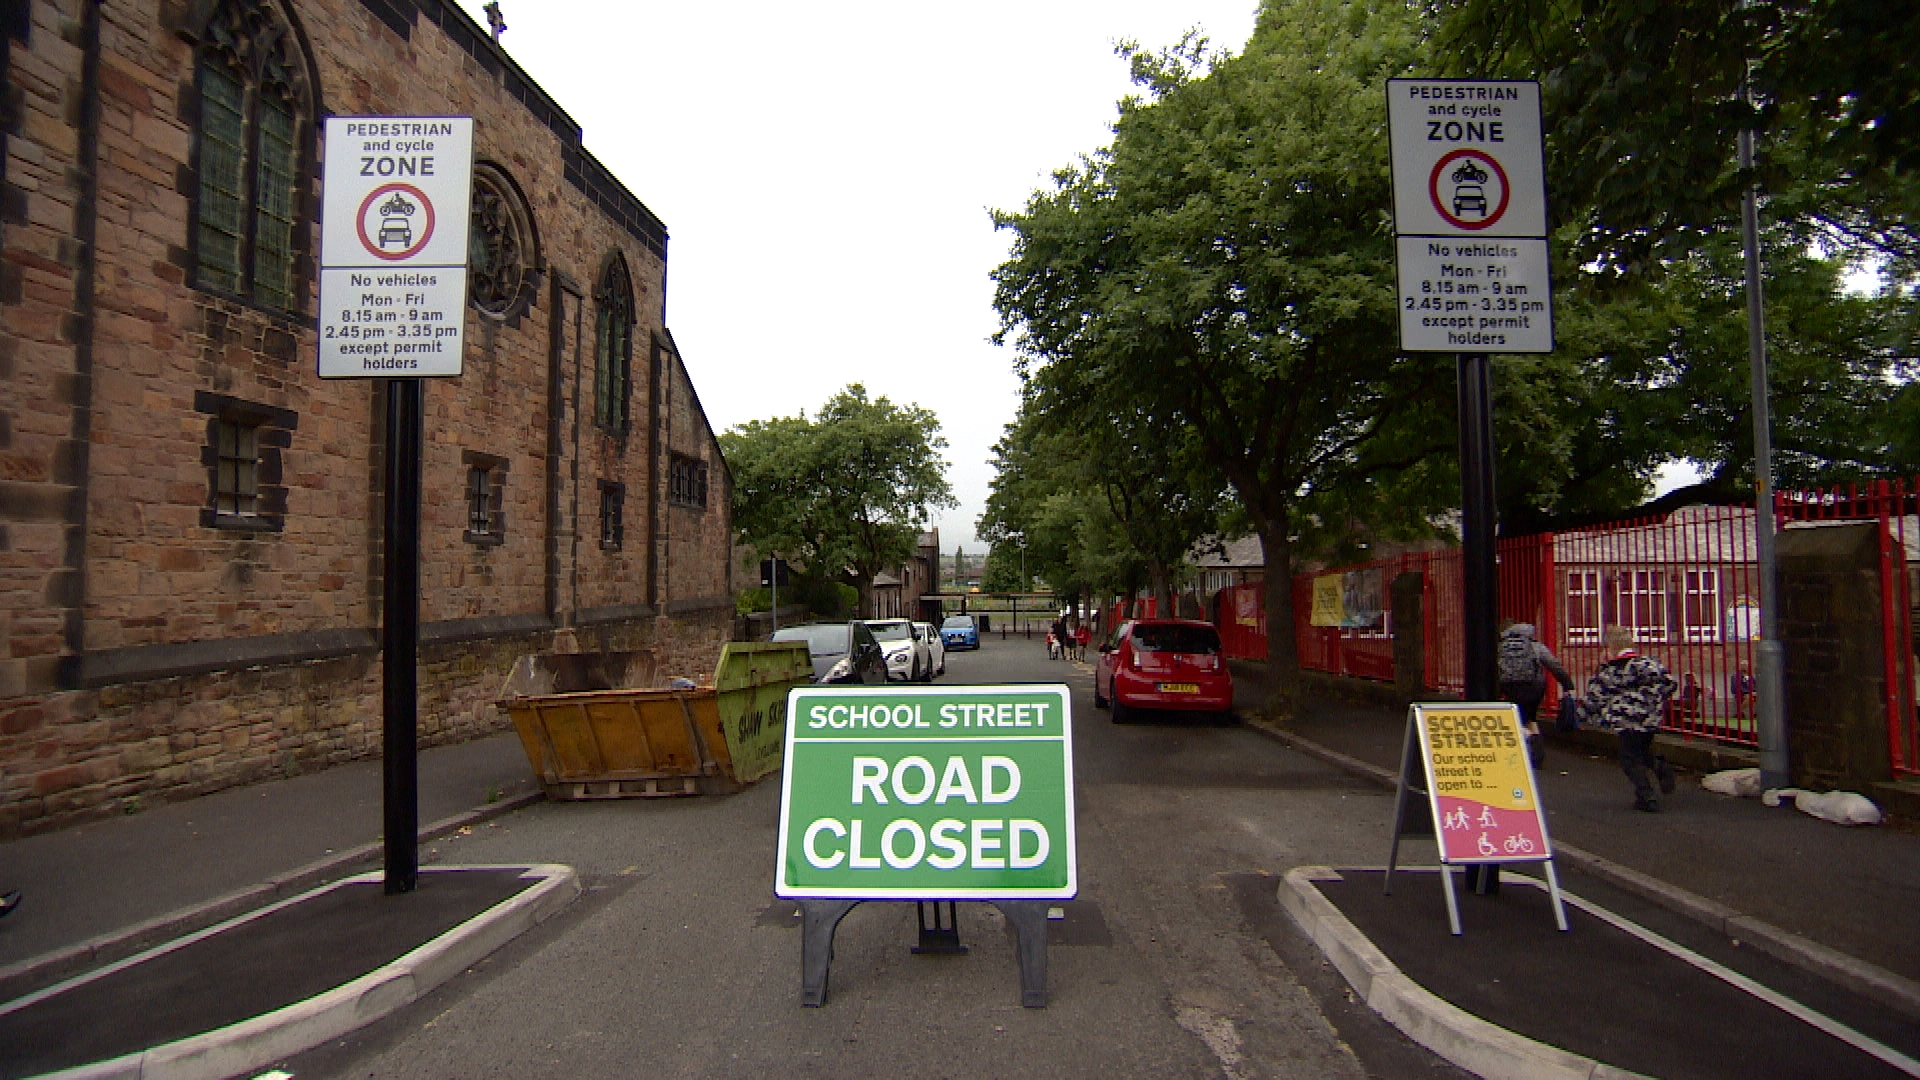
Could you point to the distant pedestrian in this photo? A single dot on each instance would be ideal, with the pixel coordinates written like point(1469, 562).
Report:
point(1524, 666)
point(1082, 637)
point(1629, 694)
point(1057, 650)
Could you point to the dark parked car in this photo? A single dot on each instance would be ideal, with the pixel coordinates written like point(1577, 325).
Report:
point(841, 652)
point(1163, 664)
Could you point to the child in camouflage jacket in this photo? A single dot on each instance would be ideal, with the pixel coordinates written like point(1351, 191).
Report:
point(1629, 694)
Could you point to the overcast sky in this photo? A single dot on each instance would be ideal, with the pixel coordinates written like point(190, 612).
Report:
point(825, 171)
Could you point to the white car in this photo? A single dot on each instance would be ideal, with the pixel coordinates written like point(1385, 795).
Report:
point(907, 658)
point(936, 649)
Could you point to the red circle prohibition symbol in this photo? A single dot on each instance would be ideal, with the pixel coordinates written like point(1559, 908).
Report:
point(399, 228)
point(1433, 190)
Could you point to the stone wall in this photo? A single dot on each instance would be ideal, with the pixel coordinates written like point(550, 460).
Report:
point(153, 646)
point(1836, 702)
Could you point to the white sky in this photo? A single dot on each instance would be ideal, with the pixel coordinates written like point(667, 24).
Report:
point(825, 172)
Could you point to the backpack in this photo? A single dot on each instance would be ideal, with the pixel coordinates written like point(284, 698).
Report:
point(1518, 664)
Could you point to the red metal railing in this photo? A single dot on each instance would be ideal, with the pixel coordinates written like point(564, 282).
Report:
point(1685, 584)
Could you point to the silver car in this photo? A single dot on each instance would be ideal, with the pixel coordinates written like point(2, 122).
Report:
point(907, 657)
point(936, 649)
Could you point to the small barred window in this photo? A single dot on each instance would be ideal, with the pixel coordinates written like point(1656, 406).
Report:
point(236, 487)
point(613, 528)
point(687, 481)
point(485, 498)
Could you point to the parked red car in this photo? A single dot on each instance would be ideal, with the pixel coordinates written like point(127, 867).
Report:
point(1163, 664)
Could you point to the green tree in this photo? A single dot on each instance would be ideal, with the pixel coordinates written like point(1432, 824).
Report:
point(1226, 268)
point(846, 492)
point(1643, 108)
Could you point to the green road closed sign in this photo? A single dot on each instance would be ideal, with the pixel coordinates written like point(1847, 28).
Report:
point(928, 793)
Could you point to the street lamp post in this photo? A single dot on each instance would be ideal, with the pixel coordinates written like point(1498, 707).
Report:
point(1770, 719)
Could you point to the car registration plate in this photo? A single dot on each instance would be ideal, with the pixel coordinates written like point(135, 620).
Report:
point(1179, 688)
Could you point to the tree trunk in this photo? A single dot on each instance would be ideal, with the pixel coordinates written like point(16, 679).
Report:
point(1162, 590)
point(1283, 647)
point(863, 607)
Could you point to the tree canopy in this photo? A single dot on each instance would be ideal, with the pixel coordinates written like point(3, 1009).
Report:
point(1226, 268)
point(845, 492)
point(1643, 101)
point(1095, 503)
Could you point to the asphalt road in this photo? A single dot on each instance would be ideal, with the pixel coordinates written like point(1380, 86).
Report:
point(679, 962)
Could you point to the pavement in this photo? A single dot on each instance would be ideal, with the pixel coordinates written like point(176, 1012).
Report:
point(1779, 897)
point(1771, 894)
point(1825, 893)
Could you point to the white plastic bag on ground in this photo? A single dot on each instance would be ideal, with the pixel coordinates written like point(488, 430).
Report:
point(1839, 807)
point(1744, 783)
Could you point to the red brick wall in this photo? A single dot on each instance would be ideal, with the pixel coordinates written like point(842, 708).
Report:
point(148, 654)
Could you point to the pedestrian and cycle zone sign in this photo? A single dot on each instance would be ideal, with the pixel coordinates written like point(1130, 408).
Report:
point(928, 793)
point(1470, 215)
point(1480, 783)
point(393, 245)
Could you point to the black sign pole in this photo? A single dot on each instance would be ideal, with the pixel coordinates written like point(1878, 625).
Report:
point(400, 636)
point(1477, 526)
point(1477, 558)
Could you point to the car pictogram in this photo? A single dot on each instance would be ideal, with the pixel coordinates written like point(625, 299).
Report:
point(395, 229)
point(1469, 190)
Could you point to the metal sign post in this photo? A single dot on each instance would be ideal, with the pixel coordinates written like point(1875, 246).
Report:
point(927, 794)
point(393, 289)
point(1470, 211)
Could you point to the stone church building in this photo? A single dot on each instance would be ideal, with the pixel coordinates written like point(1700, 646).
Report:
point(190, 535)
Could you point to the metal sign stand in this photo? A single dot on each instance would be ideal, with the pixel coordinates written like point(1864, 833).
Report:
point(939, 940)
point(819, 919)
point(1412, 782)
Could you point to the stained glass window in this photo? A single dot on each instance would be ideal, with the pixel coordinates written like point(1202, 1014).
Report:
point(221, 182)
point(274, 205)
point(252, 104)
point(613, 348)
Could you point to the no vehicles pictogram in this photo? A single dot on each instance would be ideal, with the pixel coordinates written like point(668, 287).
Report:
point(1469, 188)
point(395, 221)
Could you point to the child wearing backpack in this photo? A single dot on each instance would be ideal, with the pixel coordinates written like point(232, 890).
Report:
point(1524, 665)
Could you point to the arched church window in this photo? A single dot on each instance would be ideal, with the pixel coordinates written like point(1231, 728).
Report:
point(503, 252)
point(256, 107)
point(613, 346)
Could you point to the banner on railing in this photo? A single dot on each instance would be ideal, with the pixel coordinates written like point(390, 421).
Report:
point(1351, 599)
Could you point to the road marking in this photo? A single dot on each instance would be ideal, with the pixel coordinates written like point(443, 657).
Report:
point(1816, 1020)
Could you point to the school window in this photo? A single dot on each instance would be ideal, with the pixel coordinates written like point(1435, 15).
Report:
point(1583, 607)
point(252, 101)
point(485, 496)
point(236, 487)
point(1700, 605)
point(613, 527)
point(613, 347)
point(687, 482)
point(1642, 603)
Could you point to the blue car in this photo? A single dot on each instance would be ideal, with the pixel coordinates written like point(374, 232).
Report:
point(960, 632)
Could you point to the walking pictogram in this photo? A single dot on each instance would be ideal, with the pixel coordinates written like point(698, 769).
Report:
point(1469, 189)
point(395, 221)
